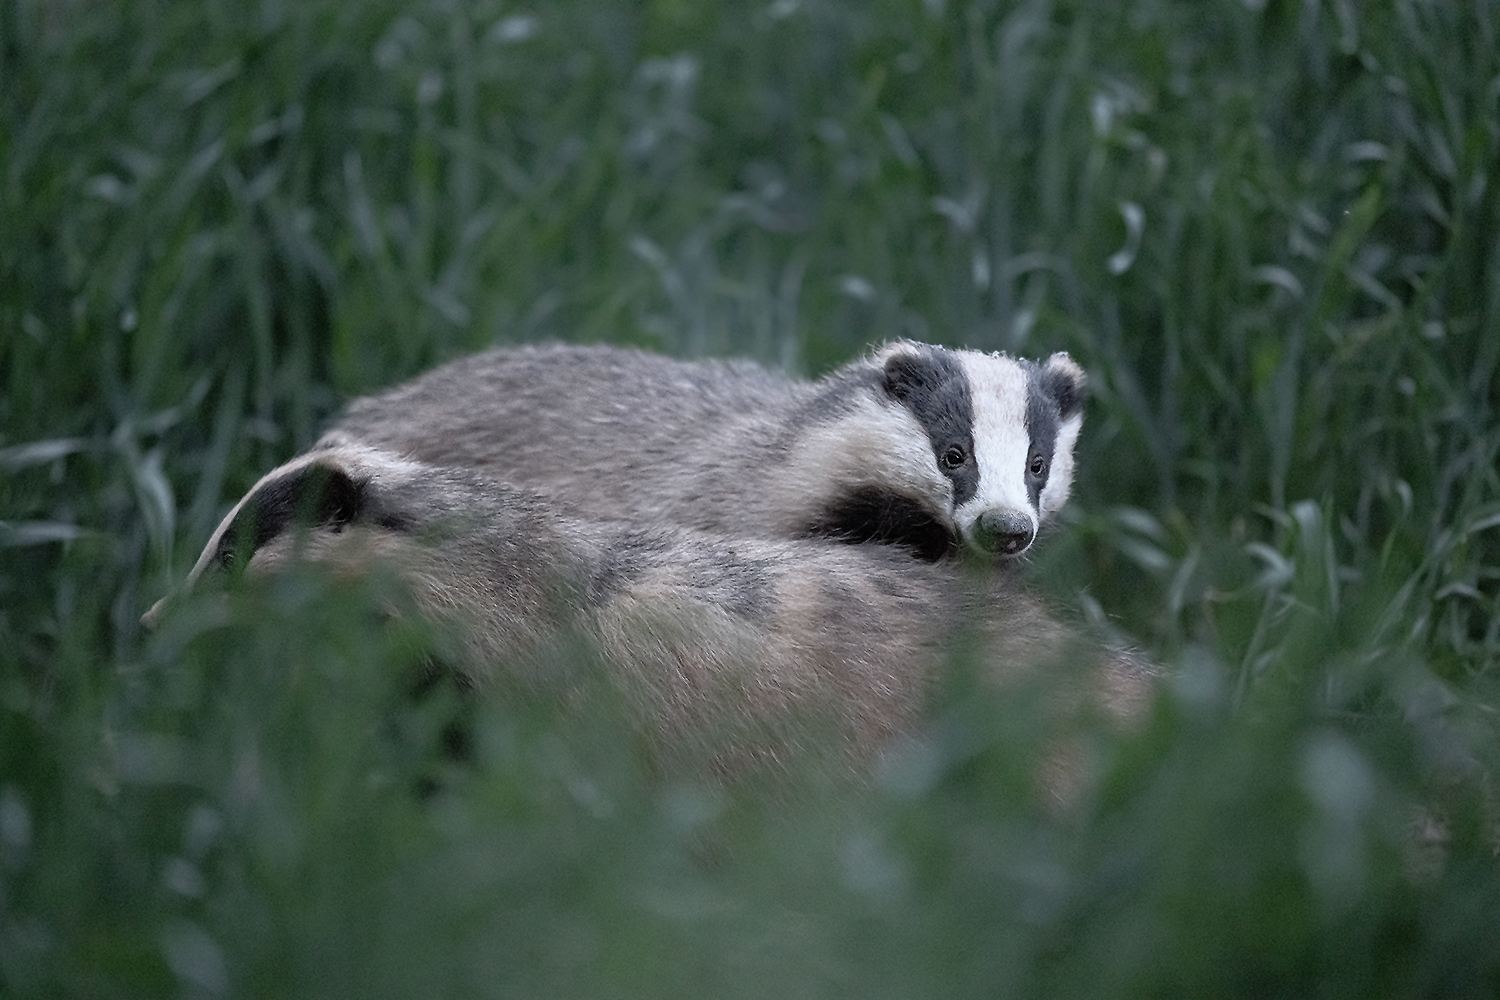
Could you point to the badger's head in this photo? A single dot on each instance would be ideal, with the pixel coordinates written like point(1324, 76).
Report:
point(330, 491)
point(1002, 432)
point(461, 543)
point(939, 449)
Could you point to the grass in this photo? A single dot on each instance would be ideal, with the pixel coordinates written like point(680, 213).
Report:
point(1267, 229)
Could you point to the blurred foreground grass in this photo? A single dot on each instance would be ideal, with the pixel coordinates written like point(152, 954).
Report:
point(1269, 231)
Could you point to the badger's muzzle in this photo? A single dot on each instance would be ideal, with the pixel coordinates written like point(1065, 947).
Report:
point(1004, 533)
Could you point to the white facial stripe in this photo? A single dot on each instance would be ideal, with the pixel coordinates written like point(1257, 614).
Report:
point(1060, 479)
point(1001, 442)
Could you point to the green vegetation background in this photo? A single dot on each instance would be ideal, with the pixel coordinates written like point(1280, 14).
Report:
point(1269, 229)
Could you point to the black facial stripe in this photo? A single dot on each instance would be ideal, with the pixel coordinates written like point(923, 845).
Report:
point(1043, 417)
point(933, 386)
point(314, 494)
point(868, 514)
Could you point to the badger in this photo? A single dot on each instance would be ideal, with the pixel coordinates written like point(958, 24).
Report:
point(936, 450)
point(723, 648)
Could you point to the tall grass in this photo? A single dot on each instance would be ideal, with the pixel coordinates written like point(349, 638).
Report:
point(1269, 231)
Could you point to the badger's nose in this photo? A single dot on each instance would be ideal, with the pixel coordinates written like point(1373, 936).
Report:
point(1004, 532)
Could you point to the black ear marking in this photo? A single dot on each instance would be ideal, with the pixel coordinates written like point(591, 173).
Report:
point(1066, 383)
point(907, 373)
point(315, 494)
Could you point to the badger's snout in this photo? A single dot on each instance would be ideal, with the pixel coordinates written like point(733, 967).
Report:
point(1003, 532)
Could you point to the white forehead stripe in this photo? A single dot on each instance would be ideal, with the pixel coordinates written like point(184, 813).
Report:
point(999, 387)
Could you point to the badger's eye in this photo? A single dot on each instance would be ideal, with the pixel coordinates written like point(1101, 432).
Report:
point(1038, 465)
point(954, 457)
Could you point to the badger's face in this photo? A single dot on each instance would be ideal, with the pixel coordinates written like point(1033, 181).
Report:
point(455, 537)
point(1002, 432)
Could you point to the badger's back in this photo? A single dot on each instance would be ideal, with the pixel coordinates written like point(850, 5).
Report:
point(605, 431)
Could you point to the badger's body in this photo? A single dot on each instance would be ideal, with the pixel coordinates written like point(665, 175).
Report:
point(930, 448)
point(724, 646)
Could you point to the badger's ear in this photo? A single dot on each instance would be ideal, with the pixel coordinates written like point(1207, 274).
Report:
point(906, 370)
point(328, 489)
point(1065, 382)
point(315, 493)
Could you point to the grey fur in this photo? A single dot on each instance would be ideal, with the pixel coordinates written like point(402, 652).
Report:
point(728, 644)
point(716, 446)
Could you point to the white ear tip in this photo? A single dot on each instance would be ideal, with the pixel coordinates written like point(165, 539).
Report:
point(890, 349)
point(1063, 362)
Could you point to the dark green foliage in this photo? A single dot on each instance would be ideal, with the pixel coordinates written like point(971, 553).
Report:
point(1269, 231)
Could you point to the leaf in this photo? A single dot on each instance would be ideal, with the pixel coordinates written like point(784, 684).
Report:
point(22, 456)
point(17, 534)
